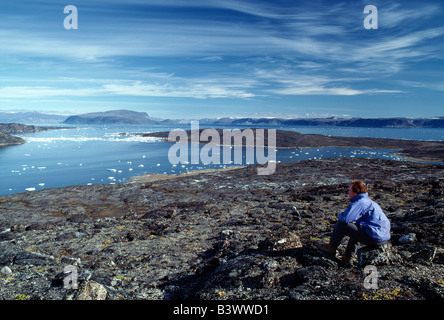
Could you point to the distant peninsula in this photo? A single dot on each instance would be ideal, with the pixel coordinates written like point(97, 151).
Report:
point(8, 140)
point(418, 150)
point(6, 129)
point(114, 117)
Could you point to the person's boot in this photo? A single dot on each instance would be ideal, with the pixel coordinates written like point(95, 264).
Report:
point(326, 248)
point(347, 260)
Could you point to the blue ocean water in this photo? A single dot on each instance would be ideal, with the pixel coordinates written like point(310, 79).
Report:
point(103, 155)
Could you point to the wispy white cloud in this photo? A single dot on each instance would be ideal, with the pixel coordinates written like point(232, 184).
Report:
point(396, 15)
point(161, 86)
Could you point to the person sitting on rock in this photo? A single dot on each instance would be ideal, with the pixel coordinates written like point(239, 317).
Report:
point(363, 221)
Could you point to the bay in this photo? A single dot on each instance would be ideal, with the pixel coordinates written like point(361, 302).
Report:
point(110, 154)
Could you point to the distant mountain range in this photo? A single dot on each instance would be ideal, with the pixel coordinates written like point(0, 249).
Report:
point(30, 117)
point(332, 122)
point(133, 117)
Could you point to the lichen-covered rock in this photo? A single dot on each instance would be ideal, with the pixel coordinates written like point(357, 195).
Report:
point(377, 256)
point(92, 290)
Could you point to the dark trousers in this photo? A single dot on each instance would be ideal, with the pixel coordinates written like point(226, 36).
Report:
point(357, 235)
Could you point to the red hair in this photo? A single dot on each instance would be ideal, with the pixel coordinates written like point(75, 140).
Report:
point(358, 186)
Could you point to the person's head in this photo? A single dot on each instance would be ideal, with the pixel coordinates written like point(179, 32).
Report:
point(357, 187)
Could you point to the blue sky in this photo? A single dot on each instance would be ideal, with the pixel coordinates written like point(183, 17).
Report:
point(220, 58)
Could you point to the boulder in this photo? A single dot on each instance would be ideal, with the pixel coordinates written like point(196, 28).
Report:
point(92, 290)
point(378, 255)
point(408, 238)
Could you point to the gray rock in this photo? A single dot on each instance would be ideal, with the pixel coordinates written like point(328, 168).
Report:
point(69, 236)
point(32, 258)
point(6, 271)
point(381, 255)
point(92, 290)
point(408, 238)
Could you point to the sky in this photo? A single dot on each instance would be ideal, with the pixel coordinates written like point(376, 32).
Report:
point(191, 59)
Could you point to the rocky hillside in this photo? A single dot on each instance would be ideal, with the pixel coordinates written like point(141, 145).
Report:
point(224, 235)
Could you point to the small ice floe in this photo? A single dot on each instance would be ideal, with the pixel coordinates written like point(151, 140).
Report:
point(41, 184)
point(158, 164)
point(41, 168)
point(130, 169)
point(111, 170)
point(141, 165)
point(30, 189)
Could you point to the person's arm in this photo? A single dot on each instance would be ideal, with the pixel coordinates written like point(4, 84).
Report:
point(352, 213)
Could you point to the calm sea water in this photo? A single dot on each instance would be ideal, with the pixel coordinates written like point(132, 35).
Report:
point(102, 155)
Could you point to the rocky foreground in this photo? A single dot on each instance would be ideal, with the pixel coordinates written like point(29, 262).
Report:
point(224, 235)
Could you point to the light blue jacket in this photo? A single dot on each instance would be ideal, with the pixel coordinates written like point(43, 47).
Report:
point(369, 215)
